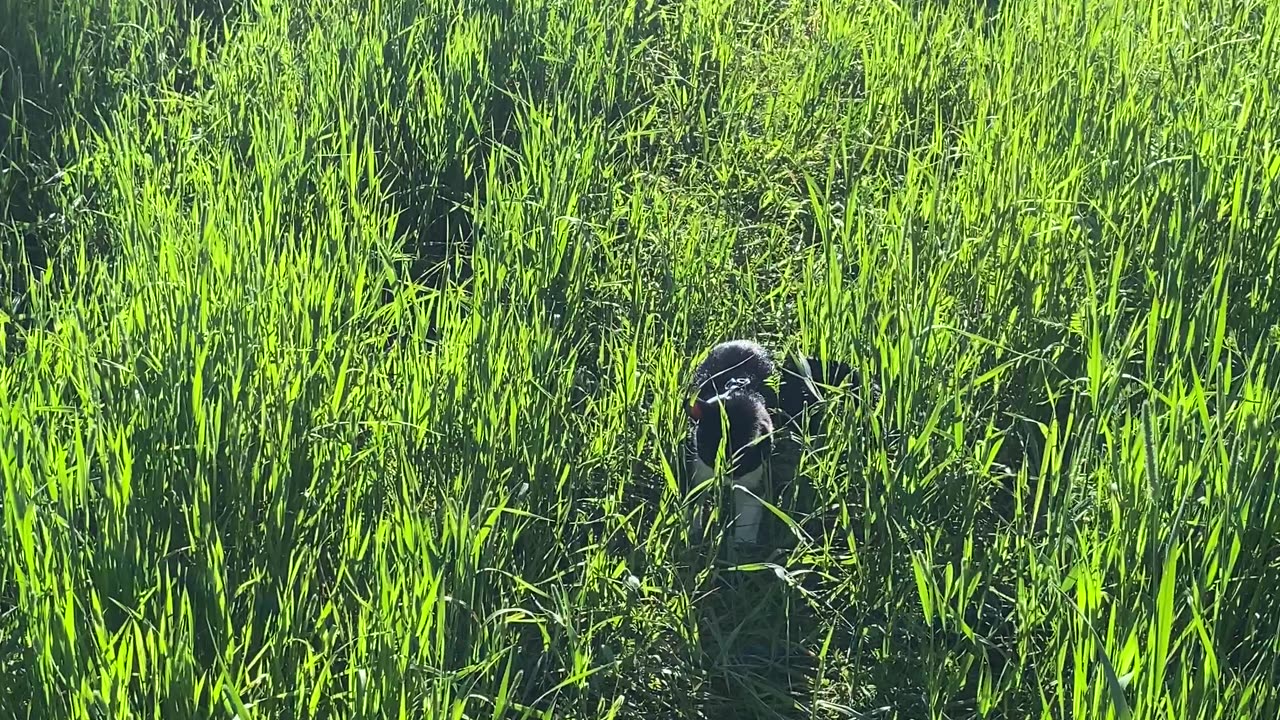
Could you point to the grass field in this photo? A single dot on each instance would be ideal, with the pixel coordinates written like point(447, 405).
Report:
point(345, 346)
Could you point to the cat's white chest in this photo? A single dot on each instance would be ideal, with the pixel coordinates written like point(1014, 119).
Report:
point(747, 509)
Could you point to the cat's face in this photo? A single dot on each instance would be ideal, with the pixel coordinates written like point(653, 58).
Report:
point(738, 419)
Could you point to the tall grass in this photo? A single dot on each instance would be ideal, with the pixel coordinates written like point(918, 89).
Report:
point(345, 344)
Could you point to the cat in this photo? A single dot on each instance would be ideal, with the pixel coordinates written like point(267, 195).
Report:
point(737, 393)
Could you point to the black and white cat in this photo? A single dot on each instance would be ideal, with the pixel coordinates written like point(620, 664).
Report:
point(735, 404)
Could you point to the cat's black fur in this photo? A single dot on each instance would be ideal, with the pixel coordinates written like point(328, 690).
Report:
point(802, 389)
point(736, 378)
point(733, 380)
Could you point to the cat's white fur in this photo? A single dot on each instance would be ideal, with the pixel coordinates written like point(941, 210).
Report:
point(746, 507)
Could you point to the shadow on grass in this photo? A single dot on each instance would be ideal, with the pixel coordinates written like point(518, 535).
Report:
point(62, 71)
point(59, 78)
point(762, 646)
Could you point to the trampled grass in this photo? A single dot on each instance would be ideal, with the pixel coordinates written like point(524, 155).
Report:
point(345, 344)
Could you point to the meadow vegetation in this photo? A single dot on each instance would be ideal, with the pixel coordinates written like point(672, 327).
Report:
point(345, 345)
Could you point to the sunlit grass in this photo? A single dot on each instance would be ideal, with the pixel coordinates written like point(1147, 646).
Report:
point(345, 344)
